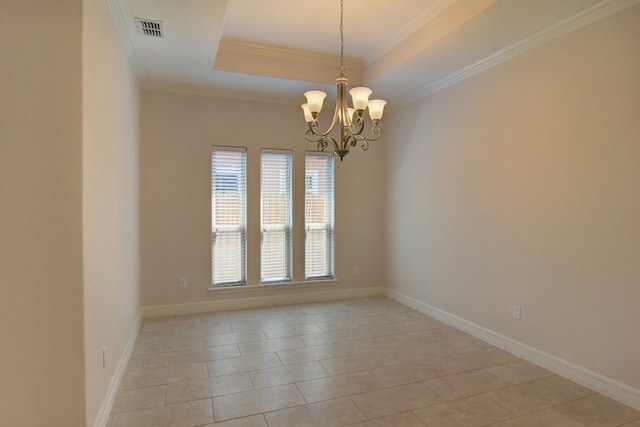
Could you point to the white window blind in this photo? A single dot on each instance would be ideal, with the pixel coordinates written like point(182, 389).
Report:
point(275, 216)
point(319, 217)
point(228, 215)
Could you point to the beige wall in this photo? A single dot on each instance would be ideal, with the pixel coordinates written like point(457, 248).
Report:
point(177, 134)
point(41, 308)
point(521, 186)
point(110, 201)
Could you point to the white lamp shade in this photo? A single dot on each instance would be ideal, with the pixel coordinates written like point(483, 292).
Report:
point(376, 108)
point(307, 113)
point(315, 98)
point(360, 97)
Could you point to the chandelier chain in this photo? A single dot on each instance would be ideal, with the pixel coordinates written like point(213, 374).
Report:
point(341, 69)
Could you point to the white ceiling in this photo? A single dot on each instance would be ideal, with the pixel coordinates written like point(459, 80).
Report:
point(275, 50)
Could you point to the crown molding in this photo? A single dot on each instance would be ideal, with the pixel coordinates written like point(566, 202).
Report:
point(286, 54)
point(284, 63)
point(121, 19)
point(434, 10)
point(575, 22)
point(220, 93)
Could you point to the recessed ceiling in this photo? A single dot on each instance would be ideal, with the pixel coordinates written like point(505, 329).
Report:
point(274, 50)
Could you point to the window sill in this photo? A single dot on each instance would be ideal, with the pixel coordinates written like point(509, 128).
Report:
point(287, 285)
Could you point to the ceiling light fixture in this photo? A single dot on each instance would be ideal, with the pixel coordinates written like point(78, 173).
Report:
point(351, 119)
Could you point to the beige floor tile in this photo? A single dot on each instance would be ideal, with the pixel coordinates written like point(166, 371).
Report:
point(418, 325)
point(337, 386)
point(186, 343)
point(532, 396)
point(204, 355)
point(154, 337)
point(330, 413)
point(406, 419)
point(293, 330)
point(148, 361)
point(575, 389)
point(243, 364)
point(338, 324)
point(395, 400)
point(141, 398)
point(368, 344)
point(408, 316)
point(287, 374)
point(251, 421)
point(429, 336)
point(519, 372)
point(465, 384)
point(308, 354)
point(187, 414)
point(324, 307)
point(208, 387)
point(268, 346)
point(168, 323)
point(375, 359)
point(151, 347)
point(353, 363)
point(477, 359)
point(364, 345)
point(202, 331)
point(149, 377)
point(406, 373)
point(286, 311)
point(473, 411)
point(159, 335)
point(329, 337)
point(547, 417)
point(255, 325)
point(599, 410)
point(372, 330)
point(234, 338)
point(461, 344)
point(255, 402)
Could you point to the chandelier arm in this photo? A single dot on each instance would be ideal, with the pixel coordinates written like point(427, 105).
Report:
point(364, 141)
point(357, 126)
point(376, 134)
point(322, 141)
point(314, 124)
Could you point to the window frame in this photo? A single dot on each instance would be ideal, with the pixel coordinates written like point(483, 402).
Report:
point(329, 224)
point(284, 183)
point(218, 230)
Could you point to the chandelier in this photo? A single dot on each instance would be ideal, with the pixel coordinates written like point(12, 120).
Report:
point(351, 120)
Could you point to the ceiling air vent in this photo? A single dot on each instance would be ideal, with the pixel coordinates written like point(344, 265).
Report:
point(149, 27)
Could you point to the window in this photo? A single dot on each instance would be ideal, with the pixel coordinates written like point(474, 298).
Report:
point(318, 217)
point(275, 216)
point(228, 215)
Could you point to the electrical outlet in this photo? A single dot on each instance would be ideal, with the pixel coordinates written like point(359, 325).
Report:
point(516, 312)
point(355, 271)
point(183, 282)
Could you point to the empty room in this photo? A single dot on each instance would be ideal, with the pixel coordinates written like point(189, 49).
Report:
point(331, 213)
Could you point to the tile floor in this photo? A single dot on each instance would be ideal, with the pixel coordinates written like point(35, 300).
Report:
point(366, 362)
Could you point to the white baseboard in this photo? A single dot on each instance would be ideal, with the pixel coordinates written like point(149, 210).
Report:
point(105, 410)
point(614, 389)
point(261, 301)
